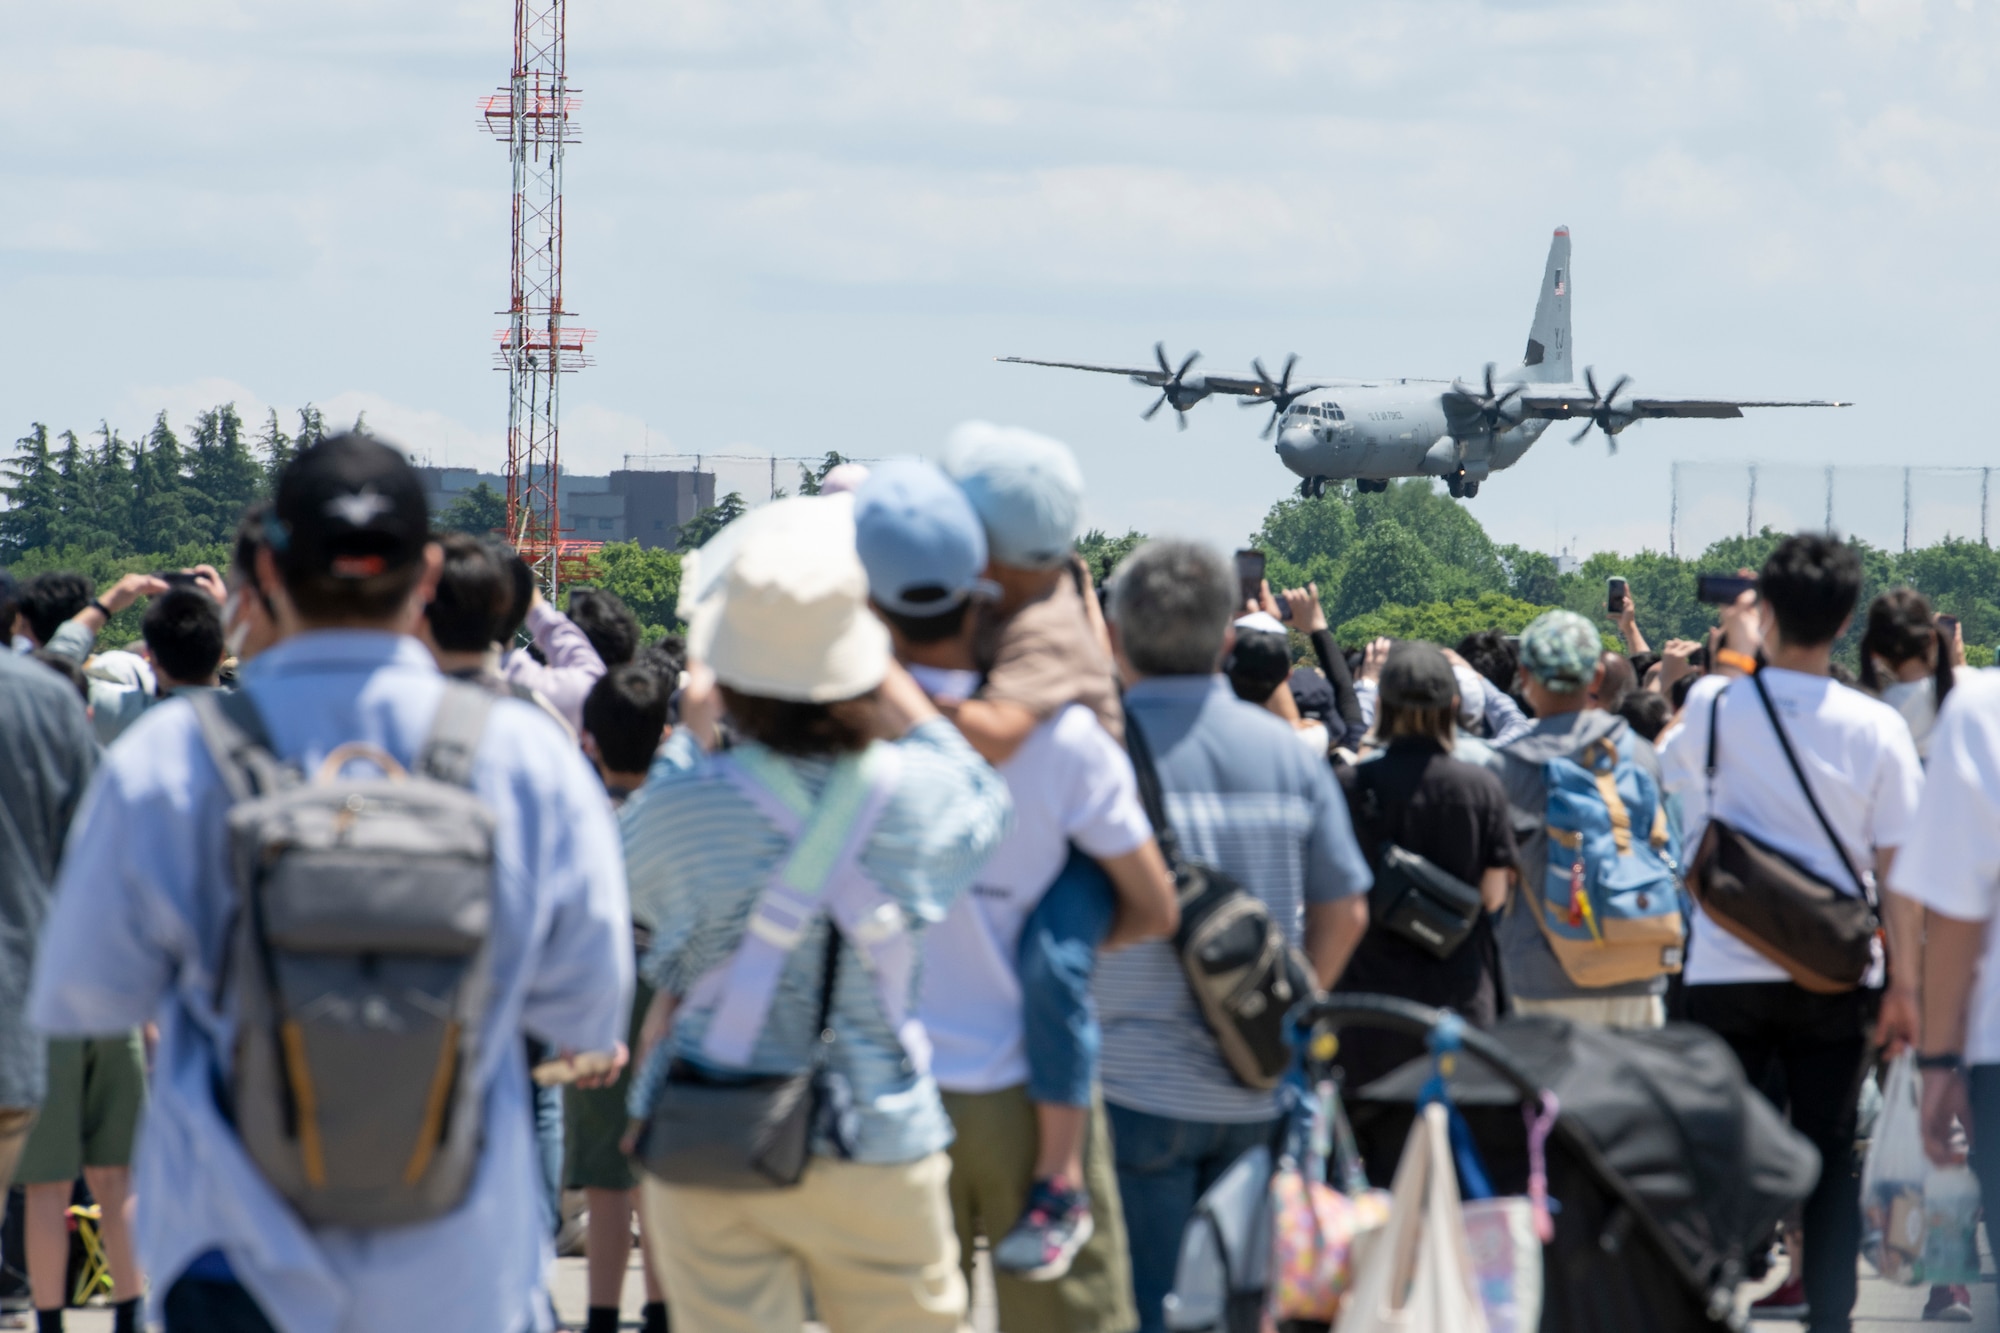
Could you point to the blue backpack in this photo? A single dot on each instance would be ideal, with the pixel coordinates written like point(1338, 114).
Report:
point(1610, 903)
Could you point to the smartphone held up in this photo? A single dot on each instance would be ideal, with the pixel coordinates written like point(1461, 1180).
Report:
point(1250, 581)
point(1722, 589)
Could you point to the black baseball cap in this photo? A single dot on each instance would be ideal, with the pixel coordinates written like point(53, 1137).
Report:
point(348, 507)
point(1417, 676)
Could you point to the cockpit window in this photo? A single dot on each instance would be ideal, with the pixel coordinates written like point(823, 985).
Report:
point(1334, 409)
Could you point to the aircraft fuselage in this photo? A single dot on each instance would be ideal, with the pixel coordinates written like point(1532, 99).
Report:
point(1399, 429)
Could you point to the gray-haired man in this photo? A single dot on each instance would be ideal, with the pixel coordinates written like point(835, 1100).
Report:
point(1243, 795)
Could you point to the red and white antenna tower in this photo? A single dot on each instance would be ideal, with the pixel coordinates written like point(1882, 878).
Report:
point(535, 116)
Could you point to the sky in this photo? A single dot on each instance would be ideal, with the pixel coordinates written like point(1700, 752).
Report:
point(801, 226)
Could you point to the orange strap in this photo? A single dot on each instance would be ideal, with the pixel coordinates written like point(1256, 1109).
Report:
point(311, 1154)
point(432, 1132)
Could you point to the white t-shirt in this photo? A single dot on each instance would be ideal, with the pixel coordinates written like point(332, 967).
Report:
point(1951, 862)
point(1856, 752)
point(1071, 783)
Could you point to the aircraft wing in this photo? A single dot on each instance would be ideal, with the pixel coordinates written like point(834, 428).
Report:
point(1562, 407)
point(1153, 375)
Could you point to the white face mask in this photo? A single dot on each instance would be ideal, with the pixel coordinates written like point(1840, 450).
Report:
point(22, 644)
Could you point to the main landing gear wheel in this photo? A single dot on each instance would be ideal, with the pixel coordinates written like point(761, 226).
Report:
point(1312, 488)
point(1456, 485)
point(1471, 489)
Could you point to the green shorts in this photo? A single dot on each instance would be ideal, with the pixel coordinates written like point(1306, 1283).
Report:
point(97, 1088)
point(992, 1166)
point(594, 1120)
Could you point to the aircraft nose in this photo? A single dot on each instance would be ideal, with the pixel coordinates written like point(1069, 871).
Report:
point(1292, 446)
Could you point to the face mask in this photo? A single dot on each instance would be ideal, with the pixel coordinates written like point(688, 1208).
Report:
point(22, 645)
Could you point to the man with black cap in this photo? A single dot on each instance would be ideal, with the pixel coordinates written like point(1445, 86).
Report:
point(144, 904)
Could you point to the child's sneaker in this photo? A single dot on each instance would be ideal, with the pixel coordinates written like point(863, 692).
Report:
point(1055, 1225)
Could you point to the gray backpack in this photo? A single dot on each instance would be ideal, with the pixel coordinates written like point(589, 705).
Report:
point(358, 965)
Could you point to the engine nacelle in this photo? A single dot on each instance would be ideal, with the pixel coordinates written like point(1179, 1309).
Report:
point(1441, 459)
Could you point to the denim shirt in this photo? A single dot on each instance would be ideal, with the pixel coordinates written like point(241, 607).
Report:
point(137, 933)
point(699, 855)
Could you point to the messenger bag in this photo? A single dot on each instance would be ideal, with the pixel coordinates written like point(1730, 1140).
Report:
point(1821, 936)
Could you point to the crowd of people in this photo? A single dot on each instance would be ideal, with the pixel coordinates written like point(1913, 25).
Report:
point(372, 904)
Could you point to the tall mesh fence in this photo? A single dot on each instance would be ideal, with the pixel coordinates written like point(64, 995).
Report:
point(1894, 508)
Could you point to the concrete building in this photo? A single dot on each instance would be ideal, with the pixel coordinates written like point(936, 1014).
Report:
point(646, 507)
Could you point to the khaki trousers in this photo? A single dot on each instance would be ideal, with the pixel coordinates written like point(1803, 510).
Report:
point(875, 1242)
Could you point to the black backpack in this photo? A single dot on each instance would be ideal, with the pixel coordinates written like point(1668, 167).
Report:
point(1245, 977)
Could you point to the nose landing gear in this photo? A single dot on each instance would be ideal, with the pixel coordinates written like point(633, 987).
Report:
point(1312, 488)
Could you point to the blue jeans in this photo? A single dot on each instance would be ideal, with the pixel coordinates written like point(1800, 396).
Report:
point(1164, 1167)
point(1058, 956)
point(548, 1109)
point(1984, 1084)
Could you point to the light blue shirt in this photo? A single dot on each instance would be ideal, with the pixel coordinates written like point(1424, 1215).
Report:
point(700, 854)
point(142, 906)
point(1245, 797)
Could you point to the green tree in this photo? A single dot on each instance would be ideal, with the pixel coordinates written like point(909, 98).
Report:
point(1388, 567)
point(810, 479)
point(1961, 578)
point(1468, 562)
point(697, 530)
point(479, 510)
point(649, 582)
point(103, 566)
point(1304, 540)
point(163, 518)
point(223, 476)
point(1531, 575)
point(33, 497)
point(1441, 622)
point(312, 429)
point(1103, 553)
point(277, 449)
point(108, 487)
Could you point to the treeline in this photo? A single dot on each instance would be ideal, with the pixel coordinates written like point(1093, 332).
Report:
point(1411, 562)
point(154, 493)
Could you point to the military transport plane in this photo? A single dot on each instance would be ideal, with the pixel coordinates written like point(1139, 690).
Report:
point(1372, 430)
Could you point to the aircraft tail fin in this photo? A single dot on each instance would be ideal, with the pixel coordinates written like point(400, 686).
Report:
point(1547, 359)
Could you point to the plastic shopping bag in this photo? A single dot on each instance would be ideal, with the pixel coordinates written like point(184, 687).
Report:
point(1919, 1221)
point(1417, 1277)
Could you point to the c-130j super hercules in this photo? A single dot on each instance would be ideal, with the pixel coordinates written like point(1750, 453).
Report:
point(1372, 430)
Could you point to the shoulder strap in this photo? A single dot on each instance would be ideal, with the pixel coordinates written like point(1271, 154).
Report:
point(455, 732)
point(1785, 743)
point(238, 742)
point(1149, 790)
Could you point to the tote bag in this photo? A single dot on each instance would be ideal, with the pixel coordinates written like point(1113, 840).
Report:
point(1417, 1277)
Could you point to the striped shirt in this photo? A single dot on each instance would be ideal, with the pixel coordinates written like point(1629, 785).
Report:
point(698, 855)
point(1244, 796)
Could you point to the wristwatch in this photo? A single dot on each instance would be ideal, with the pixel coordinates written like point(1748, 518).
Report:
point(1951, 1060)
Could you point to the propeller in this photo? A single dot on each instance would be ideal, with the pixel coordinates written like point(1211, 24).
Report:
point(1278, 392)
point(1492, 407)
point(1603, 414)
point(1170, 392)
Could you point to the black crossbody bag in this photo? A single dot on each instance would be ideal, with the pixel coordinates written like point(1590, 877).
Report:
point(1413, 897)
point(1245, 977)
point(1821, 936)
point(741, 1131)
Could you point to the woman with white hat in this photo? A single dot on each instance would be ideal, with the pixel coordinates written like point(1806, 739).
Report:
point(787, 1120)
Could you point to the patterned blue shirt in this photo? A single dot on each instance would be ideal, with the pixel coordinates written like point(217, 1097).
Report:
point(699, 855)
point(142, 911)
point(1244, 796)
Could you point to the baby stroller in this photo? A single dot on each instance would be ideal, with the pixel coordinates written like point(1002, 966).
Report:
point(1666, 1169)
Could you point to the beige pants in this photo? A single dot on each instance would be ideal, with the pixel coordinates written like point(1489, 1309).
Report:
point(875, 1242)
point(1632, 1012)
point(15, 1122)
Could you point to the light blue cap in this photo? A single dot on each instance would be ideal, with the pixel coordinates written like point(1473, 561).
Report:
point(919, 539)
point(1026, 488)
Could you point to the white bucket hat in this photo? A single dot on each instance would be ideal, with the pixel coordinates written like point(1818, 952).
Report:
point(777, 604)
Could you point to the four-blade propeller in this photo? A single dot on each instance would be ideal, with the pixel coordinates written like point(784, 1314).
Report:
point(1173, 391)
point(1604, 414)
point(1278, 392)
